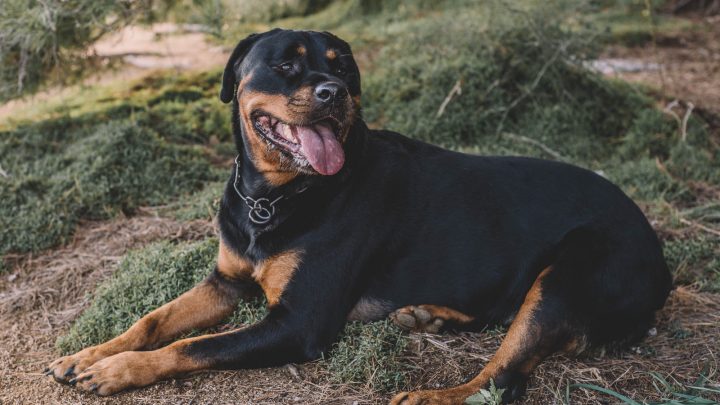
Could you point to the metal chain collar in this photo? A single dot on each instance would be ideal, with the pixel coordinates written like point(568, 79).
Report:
point(261, 209)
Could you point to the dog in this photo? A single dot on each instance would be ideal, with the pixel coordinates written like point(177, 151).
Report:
point(335, 222)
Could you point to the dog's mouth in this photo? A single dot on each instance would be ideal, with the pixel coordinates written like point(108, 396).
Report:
point(316, 144)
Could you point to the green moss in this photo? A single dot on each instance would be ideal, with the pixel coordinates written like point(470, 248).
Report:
point(370, 355)
point(203, 204)
point(518, 78)
point(157, 144)
point(695, 259)
point(145, 280)
point(64, 174)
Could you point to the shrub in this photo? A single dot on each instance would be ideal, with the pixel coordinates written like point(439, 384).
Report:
point(60, 174)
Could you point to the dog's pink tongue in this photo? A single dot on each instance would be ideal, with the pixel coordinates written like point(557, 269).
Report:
point(321, 148)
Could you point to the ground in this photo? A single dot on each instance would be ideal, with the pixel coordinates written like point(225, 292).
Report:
point(44, 292)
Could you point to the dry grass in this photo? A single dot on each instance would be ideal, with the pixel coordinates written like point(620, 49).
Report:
point(45, 292)
point(93, 254)
point(687, 344)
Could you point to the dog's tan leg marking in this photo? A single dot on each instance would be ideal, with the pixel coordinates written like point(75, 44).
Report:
point(137, 369)
point(518, 351)
point(274, 273)
point(134, 369)
point(427, 318)
point(201, 307)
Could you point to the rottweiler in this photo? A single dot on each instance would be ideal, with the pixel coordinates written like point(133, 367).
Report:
point(335, 222)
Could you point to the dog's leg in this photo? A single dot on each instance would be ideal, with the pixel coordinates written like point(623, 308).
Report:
point(537, 331)
point(205, 305)
point(276, 340)
point(305, 320)
point(429, 318)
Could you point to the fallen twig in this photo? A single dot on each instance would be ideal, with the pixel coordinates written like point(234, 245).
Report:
point(682, 122)
point(560, 49)
point(683, 127)
point(533, 142)
point(700, 226)
point(456, 90)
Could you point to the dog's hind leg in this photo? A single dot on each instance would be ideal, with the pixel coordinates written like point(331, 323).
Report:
point(538, 330)
point(429, 318)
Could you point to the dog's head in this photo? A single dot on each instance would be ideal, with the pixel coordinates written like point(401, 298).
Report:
point(298, 94)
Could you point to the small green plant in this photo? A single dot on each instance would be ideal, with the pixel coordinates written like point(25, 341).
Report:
point(370, 355)
point(486, 396)
point(699, 393)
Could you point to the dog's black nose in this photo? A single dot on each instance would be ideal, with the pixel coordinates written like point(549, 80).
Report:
point(326, 92)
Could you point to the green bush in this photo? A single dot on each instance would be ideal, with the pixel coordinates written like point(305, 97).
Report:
point(523, 78)
point(60, 174)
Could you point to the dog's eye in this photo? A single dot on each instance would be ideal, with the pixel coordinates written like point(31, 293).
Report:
point(340, 71)
point(285, 68)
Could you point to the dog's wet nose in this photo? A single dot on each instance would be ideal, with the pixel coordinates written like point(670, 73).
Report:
point(327, 92)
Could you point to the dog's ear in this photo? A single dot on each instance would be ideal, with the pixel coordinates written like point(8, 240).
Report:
point(227, 93)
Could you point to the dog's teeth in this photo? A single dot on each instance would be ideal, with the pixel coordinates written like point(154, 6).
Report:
point(287, 133)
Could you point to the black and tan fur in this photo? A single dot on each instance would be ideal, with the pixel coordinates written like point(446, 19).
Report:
point(434, 239)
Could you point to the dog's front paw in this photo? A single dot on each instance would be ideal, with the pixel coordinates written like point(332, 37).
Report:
point(117, 373)
point(66, 368)
point(452, 396)
point(415, 398)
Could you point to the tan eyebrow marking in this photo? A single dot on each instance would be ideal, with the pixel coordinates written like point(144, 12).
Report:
point(330, 54)
point(301, 50)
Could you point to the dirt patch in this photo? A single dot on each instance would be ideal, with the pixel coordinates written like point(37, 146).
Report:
point(163, 45)
point(140, 50)
point(686, 67)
